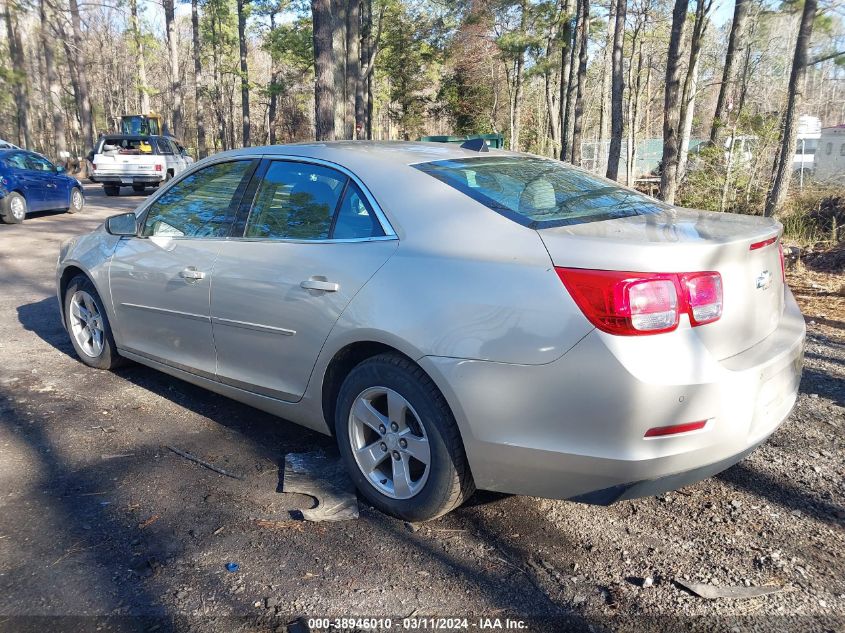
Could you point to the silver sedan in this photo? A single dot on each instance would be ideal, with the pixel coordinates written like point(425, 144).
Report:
point(456, 318)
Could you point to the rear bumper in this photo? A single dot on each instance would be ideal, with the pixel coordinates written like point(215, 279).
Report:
point(574, 428)
point(129, 180)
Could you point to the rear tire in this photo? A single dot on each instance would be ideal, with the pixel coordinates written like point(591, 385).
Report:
point(111, 190)
point(407, 459)
point(88, 326)
point(77, 200)
point(13, 208)
point(138, 188)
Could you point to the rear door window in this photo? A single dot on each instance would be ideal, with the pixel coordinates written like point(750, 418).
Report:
point(295, 201)
point(355, 217)
point(540, 193)
point(16, 160)
point(37, 163)
point(164, 146)
point(201, 205)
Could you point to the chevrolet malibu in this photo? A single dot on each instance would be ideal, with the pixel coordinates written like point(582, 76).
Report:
point(456, 317)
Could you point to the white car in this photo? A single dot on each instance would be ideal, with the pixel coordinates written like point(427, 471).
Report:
point(139, 161)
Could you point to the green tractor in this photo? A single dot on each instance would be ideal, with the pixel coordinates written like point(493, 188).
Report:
point(141, 124)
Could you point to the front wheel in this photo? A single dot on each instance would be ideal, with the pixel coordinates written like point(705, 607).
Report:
point(400, 441)
point(13, 208)
point(88, 325)
point(77, 201)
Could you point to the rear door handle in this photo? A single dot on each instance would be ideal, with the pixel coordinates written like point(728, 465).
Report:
point(319, 284)
point(192, 274)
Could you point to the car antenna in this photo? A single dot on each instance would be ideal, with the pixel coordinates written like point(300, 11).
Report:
point(475, 145)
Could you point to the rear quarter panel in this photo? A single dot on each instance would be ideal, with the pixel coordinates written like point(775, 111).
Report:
point(464, 282)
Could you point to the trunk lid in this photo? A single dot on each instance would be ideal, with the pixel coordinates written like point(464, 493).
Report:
point(683, 241)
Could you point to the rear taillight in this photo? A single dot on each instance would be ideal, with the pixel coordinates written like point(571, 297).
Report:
point(704, 296)
point(93, 166)
point(630, 303)
point(782, 262)
point(159, 167)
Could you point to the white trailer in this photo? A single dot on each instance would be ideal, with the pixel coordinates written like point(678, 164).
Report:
point(830, 157)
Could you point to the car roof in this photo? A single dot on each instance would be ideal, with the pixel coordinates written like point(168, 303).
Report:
point(122, 137)
point(341, 152)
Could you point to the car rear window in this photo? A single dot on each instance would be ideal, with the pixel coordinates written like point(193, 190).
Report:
point(127, 146)
point(540, 193)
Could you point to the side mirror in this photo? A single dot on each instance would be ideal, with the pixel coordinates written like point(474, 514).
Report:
point(122, 225)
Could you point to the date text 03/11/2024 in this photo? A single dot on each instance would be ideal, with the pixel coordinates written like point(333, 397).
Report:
point(417, 624)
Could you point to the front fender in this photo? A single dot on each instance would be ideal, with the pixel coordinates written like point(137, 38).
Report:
point(90, 255)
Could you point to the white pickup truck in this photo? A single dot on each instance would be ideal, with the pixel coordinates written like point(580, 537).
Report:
point(138, 161)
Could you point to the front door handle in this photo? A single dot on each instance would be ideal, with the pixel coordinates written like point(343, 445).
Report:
point(320, 284)
point(192, 274)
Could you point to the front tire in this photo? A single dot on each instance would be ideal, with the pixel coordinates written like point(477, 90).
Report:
point(88, 325)
point(399, 440)
point(111, 190)
point(138, 188)
point(13, 208)
point(77, 201)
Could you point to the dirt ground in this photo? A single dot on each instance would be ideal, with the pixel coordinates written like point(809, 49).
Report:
point(98, 519)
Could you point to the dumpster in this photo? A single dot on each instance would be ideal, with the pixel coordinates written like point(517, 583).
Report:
point(494, 141)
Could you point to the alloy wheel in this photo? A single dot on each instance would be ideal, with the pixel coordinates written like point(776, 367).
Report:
point(389, 442)
point(76, 199)
point(86, 324)
point(17, 208)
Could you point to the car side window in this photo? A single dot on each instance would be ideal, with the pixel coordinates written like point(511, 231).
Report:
point(355, 218)
point(18, 161)
point(37, 163)
point(295, 201)
point(202, 205)
point(164, 146)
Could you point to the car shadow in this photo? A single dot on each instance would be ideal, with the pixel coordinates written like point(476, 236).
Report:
point(781, 492)
point(44, 319)
point(824, 384)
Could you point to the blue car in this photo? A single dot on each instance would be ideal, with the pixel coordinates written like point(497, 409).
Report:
point(30, 182)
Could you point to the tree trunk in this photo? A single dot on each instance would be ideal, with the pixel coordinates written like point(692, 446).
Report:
point(782, 171)
point(361, 85)
point(321, 16)
point(173, 68)
point(567, 84)
point(519, 71)
point(577, 121)
point(53, 88)
point(353, 67)
point(617, 90)
point(271, 110)
point(702, 11)
point(338, 14)
point(551, 108)
point(685, 126)
point(635, 83)
point(606, 70)
point(734, 45)
point(672, 104)
point(202, 144)
point(244, 73)
point(78, 60)
point(143, 95)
